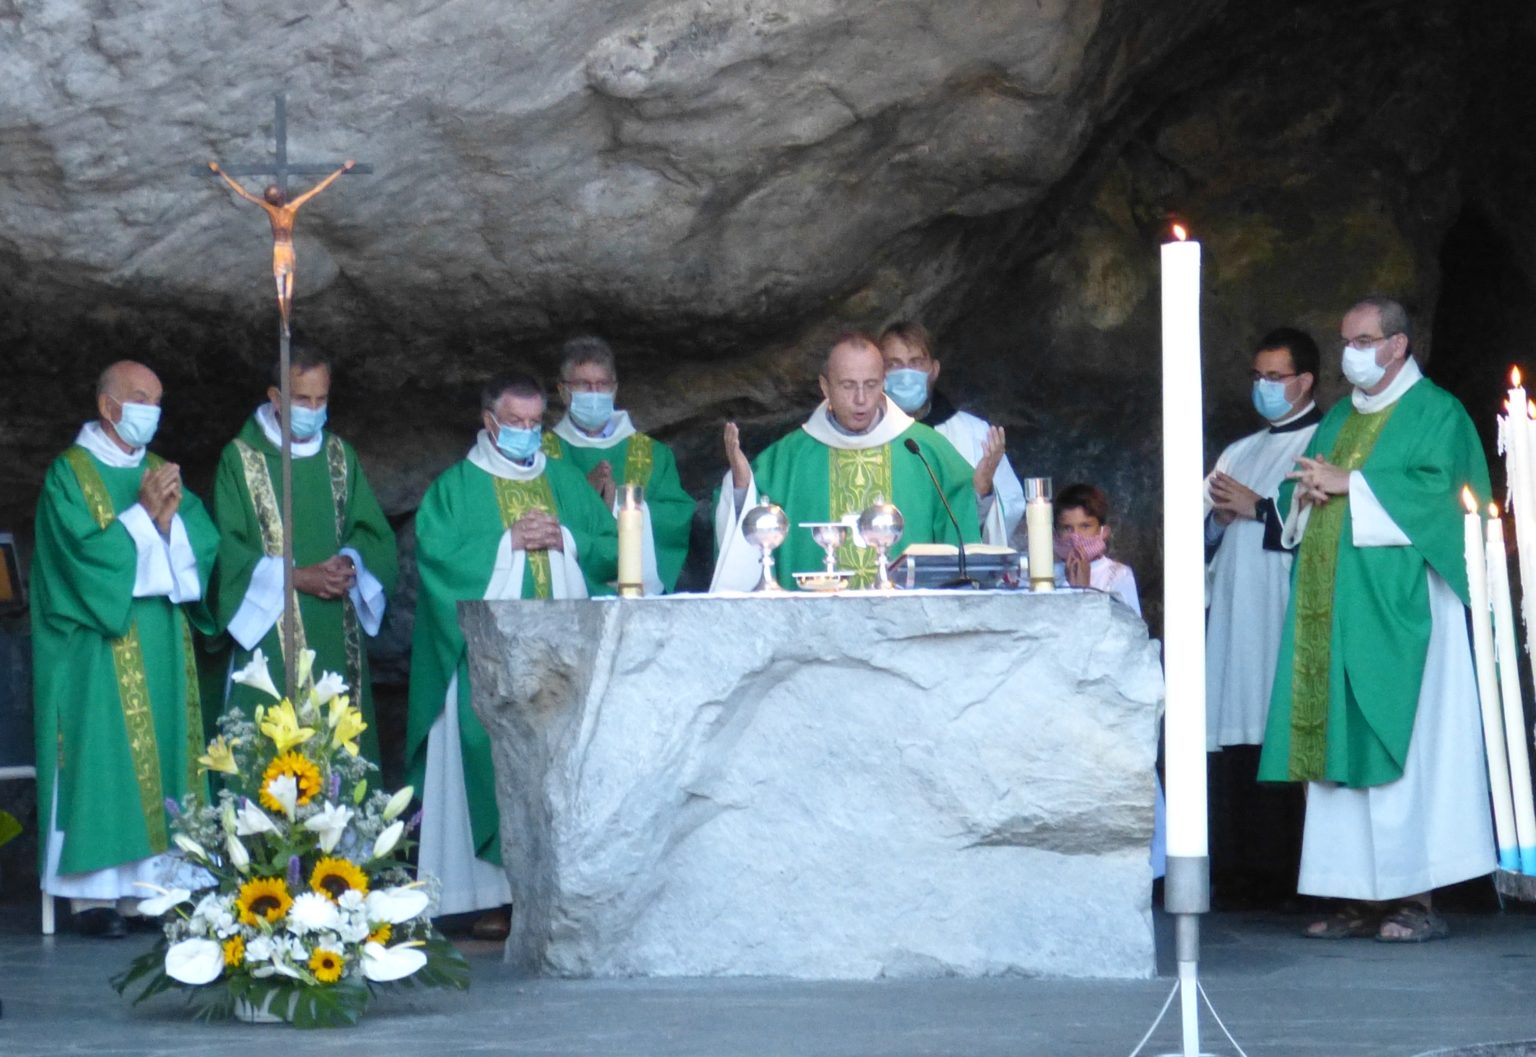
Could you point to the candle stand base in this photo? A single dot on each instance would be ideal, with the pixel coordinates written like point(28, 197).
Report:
point(1042, 584)
point(631, 591)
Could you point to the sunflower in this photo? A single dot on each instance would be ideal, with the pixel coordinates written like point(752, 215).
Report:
point(326, 965)
point(381, 934)
point(333, 877)
point(234, 951)
point(263, 899)
point(305, 776)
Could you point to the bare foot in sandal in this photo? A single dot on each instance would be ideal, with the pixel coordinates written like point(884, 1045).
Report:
point(1352, 920)
point(1413, 921)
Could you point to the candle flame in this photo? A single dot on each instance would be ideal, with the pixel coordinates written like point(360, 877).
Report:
point(1514, 376)
point(1468, 500)
point(1179, 232)
point(1493, 511)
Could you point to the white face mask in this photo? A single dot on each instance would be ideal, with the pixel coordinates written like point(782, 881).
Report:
point(1361, 368)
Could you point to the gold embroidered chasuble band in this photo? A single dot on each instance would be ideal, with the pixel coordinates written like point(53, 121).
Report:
point(132, 686)
point(639, 459)
point(516, 498)
point(1316, 564)
point(855, 478)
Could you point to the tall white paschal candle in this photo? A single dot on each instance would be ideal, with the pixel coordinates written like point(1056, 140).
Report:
point(1509, 689)
point(1184, 549)
point(1488, 684)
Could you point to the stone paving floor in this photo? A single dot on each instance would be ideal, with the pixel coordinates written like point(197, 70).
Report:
point(1281, 996)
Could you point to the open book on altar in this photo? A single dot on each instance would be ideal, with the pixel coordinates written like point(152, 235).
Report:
point(938, 565)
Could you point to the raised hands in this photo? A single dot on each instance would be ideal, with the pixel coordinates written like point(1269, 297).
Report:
point(741, 469)
point(992, 451)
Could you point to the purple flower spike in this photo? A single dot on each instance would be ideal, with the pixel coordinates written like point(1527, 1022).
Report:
point(335, 787)
point(172, 808)
point(293, 871)
point(410, 827)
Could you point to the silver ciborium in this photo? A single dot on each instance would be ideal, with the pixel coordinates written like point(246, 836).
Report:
point(765, 527)
point(829, 535)
point(880, 525)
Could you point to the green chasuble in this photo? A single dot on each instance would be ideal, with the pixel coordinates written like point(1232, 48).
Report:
point(640, 459)
point(1357, 627)
point(813, 481)
point(119, 726)
point(333, 507)
point(459, 528)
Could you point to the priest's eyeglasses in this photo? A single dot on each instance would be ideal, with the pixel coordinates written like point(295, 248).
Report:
point(582, 385)
point(1270, 376)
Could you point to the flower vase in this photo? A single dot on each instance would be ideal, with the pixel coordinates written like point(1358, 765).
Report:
point(258, 1014)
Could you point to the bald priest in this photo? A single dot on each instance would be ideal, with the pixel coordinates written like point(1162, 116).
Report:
point(851, 451)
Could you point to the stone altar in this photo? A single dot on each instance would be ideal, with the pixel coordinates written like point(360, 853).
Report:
point(920, 784)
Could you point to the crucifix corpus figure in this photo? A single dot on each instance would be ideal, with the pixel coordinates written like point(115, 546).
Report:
point(282, 214)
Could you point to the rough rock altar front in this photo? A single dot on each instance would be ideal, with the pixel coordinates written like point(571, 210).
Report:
point(924, 784)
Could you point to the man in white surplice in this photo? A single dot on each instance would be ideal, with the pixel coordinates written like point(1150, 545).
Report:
point(1375, 701)
point(504, 523)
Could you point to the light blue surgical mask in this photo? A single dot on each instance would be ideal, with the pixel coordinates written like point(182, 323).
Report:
point(519, 445)
point(591, 411)
point(908, 387)
point(1269, 399)
point(307, 421)
point(138, 424)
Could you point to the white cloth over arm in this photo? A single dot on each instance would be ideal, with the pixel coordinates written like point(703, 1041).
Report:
point(1002, 515)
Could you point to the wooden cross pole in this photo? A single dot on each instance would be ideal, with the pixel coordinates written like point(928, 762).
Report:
point(282, 229)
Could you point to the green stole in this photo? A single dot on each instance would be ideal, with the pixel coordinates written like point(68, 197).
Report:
point(132, 685)
point(1313, 590)
point(516, 498)
point(639, 458)
point(855, 479)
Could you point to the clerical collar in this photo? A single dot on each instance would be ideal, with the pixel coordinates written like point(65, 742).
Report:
point(1308, 416)
point(1406, 379)
point(940, 410)
point(266, 418)
point(486, 456)
point(619, 428)
point(821, 427)
point(94, 439)
point(845, 431)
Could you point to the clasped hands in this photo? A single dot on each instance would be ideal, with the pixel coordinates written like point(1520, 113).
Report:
point(330, 579)
point(160, 495)
point(537, 531)
point(601, 478)
point(1231, 499)
point(1318, 480)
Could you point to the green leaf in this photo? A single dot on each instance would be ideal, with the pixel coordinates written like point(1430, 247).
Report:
point(10, 829)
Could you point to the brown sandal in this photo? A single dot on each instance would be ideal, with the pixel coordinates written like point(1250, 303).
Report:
point(1421, 922)
point(1350, 921)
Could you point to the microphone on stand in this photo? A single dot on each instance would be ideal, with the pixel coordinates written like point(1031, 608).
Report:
point(964, 579)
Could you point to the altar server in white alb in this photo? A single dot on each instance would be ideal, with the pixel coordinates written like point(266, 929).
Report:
point(1250, 572)
point(910, 375)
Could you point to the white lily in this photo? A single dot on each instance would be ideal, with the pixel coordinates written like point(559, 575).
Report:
point(255, 675)
point(194, 961)
point(394, 905)
point(398, 803)
point(382, 964)
point(227, 816)
point(238, 856)
point(330, 822)
point(388, 839)
point(250, 820)
point(313, 911)
point(285, 790)
point(156, 905)
point(329, 686)
point(306, 663)
point(191, 847)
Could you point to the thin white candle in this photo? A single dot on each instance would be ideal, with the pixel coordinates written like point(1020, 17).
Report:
point(1509, 690)
point(1487, 685)
point(1039, 521)
point(631, 526)
point(1183, 549)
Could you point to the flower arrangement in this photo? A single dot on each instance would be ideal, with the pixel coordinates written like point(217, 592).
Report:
point(302, 905)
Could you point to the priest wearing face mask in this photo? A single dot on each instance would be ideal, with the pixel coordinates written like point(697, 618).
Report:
point(911, 373)
point(1375, 701)
point(851, 451)
point(345, 564)
point(506, 522)
point(604, 445)
point(121, 568)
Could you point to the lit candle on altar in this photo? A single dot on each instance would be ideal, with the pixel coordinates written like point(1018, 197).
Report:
point(631, 518)
point(1040, 524)
point(1509, 692)
point(1487, 684)
point(1183, 549)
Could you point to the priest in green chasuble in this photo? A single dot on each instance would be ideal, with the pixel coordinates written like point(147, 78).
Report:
point(344, 556)
point(849, 452)
point(122, 563)
point(1375, 700)
point(507, 522)
point(604, 445)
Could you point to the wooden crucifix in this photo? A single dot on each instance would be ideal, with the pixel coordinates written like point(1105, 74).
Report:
point(281, 213)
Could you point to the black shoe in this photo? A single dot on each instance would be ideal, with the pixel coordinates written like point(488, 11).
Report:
point(142, 923)
point(101, 922)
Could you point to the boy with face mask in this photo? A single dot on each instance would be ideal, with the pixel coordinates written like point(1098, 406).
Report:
point(1082, 538)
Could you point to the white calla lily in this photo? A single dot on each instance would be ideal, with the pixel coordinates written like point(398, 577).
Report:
point(398, 803)
point(329, 686)
point(394, 905)
point(330, 822)
point(256, 676)
point(239, 858)
point(156, 905)
point(194, 961)
point(251, 820)
point(382, 964)
point(388, 839)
